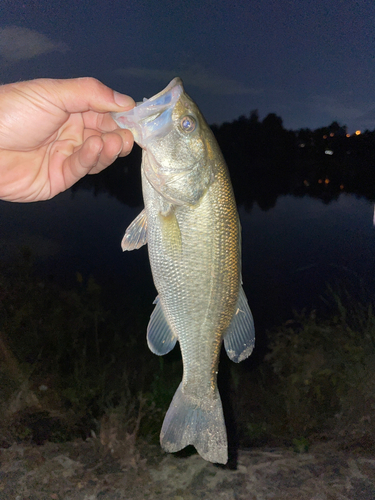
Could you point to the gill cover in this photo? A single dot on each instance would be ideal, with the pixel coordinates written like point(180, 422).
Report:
point(171, 130)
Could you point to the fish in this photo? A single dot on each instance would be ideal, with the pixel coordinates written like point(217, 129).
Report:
point(191, 226)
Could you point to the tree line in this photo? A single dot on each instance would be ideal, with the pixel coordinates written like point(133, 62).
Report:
point(266, 160)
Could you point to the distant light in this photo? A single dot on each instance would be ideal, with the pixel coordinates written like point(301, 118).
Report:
point(331, 134)
point(328, 152)
point(357, 132)
point(320, 181)
point(302, 145)
point(347, 135)
point(341, 186)
point(306, 183)
point(324, 137)
point(326, 181)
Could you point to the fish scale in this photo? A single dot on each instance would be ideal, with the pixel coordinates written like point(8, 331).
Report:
point(192, 229)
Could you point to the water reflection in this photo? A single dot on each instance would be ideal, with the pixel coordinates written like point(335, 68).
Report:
point(306, 218)
point(290, 251)
point(257, 178)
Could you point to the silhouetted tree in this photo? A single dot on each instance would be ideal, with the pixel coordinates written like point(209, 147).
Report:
point(265, 160)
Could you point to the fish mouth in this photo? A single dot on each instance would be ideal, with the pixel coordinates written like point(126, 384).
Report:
point(152, 117)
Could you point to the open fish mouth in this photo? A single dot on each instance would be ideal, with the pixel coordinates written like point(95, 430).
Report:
point(152, 117)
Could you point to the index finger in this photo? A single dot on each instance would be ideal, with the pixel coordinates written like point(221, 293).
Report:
point(79, 95)
point(103, 122)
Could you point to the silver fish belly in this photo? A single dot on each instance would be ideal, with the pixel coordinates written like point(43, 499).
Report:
point(192, 229)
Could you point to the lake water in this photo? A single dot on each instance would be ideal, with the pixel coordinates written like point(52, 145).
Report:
point(290, 251)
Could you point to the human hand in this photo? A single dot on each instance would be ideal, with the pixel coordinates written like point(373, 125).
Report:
point(53, 132)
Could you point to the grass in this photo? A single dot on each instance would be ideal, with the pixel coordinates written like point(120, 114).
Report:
point(324, 370)
point(65, 356)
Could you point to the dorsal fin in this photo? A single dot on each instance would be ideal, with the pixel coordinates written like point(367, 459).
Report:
point(239, 338)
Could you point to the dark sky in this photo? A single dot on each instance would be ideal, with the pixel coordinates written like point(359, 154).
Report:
point(311, 62)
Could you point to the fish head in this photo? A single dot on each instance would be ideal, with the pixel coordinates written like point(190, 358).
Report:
point(180, 152)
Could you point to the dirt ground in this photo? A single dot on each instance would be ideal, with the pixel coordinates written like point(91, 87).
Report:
point(82, 470)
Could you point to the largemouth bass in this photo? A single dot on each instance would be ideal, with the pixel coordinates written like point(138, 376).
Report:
point(191, 225)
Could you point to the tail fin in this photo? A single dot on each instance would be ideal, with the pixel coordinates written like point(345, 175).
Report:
point(200, 423)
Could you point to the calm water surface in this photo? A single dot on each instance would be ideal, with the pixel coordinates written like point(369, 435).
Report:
point(290, 252)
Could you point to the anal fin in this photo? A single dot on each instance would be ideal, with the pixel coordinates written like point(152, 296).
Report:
point(160, 338)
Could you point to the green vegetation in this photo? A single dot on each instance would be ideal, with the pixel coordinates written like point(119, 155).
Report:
point(62, 352)
point(70, 367)
point(325, 367)
point(318, 380)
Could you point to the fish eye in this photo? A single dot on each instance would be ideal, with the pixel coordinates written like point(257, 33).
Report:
point(188, 123)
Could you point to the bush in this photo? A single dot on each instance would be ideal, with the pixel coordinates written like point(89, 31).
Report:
point(325, 369)
point(62, 352)
point(68, 360)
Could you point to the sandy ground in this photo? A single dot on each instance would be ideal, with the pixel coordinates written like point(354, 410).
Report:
point(83, 470)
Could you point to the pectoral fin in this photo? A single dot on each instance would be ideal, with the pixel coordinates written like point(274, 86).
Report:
point(160, 338)
point(240, 337)
point(136, 234)
point(170, 231)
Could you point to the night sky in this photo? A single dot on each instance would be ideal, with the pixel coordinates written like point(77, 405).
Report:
point(310, 62)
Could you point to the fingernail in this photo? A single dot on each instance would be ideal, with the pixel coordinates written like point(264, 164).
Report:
point(123, 100)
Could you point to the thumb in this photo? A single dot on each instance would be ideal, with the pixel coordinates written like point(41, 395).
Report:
point(78, 95)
